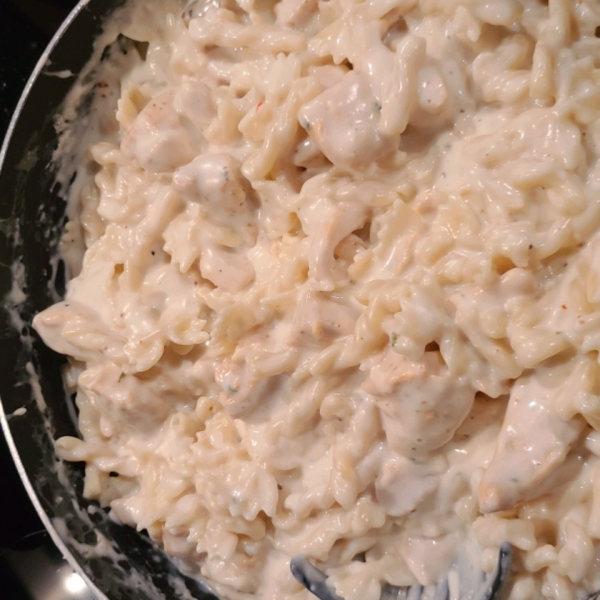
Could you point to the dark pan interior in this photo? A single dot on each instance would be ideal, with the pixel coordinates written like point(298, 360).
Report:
point(126, 564)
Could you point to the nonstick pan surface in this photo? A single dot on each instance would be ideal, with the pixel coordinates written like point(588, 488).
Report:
point(117, 562)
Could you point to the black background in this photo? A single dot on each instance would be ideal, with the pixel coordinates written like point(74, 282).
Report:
point(26, 27)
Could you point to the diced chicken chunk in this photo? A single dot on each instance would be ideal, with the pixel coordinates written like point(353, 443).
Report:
point(532, 443)
point(421, 404)
point(158, 138)
point(215, 180)
point(193, 101)
point(343, 121)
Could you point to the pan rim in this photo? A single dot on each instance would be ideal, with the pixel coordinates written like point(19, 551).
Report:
point(35, 74)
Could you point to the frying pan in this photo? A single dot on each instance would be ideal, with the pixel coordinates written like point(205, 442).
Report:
point(116, 561)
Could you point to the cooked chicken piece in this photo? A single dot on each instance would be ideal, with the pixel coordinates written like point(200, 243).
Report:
point(215, 181)
point(532, 443)
point(193, 101)
point(421, 404)
point(343, 121)
point(158, 138)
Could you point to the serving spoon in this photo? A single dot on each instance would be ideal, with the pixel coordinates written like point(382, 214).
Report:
point(461, 578)
point(474, 585)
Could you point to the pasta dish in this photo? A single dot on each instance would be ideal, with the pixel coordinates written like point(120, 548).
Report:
point(340, 294)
